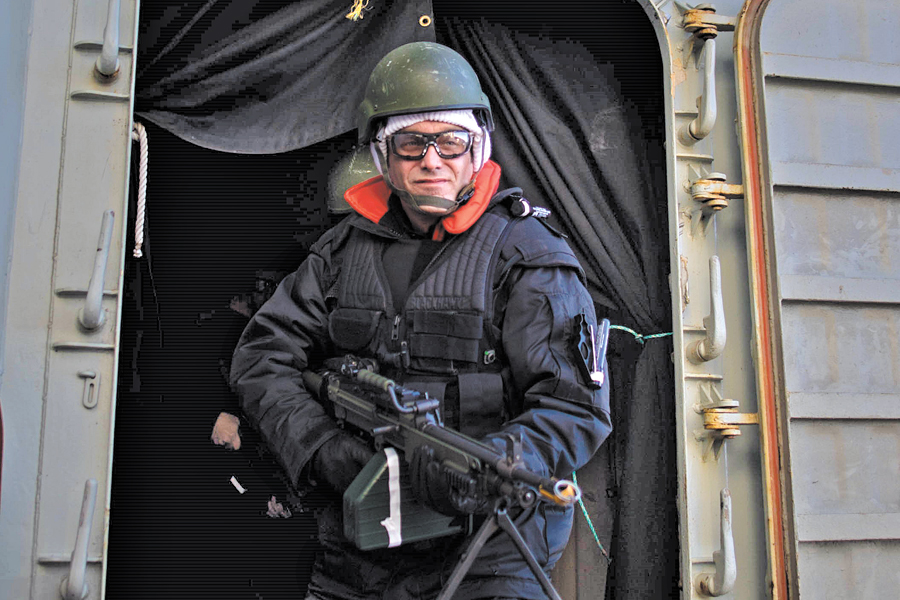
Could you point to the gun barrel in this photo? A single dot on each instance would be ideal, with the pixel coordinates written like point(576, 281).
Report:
point(560, 491)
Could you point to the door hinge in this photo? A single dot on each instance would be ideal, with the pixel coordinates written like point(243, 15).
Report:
point(711, 193)
point(721, 420)
point(726, 422)
point(713, 189)
point(703, 21)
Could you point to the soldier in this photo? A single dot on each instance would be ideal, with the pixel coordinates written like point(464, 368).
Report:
point(452, 287)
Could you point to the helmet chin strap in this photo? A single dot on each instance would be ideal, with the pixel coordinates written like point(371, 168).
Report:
point(425, 204)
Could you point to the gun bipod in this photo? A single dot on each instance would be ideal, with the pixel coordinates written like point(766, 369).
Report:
point(499, 519)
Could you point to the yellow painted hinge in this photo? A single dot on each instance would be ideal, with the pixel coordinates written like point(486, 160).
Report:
point(713, 188)
point(727, 421)
point(703, 21)
point(712, 194)
point(721, 420)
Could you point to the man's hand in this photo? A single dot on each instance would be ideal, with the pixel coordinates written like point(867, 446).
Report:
point(276, 509)
point(225, 432)
point(434, 486)
point(340, 460)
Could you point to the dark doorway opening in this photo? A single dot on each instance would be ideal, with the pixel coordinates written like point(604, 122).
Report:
point(220, 228)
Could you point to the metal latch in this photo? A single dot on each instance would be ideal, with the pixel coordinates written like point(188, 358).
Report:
point(74, 586)
point(92, 315)
point(106, 68)
point(713, 343)
point(707, 110)
point(703, 21)
point(722, 581)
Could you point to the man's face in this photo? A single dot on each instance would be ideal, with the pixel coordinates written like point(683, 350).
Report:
point(431, 175)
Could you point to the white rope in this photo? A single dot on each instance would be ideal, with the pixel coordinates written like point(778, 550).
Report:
point(139, 134)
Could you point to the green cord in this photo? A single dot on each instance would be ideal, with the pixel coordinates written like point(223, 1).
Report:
point(590, 523)
point(640, 338)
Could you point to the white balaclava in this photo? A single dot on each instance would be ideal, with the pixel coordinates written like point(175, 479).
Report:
point(481, 151)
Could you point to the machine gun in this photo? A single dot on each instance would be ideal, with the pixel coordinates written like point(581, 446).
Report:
point(379, 509)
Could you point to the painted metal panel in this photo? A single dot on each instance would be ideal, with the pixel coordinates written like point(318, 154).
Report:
point(831, 106)
point(849, 570)
point(846, 468)
point(850, 126)
point(838, 348)
point(862, 31)
point(74, 168)
point(838, 234)
point(25, 327)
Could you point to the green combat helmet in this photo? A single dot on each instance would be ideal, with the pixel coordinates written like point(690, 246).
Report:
point(353, 168)
point(421, 77)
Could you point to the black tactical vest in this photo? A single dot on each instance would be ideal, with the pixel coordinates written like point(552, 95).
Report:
point(439, 342)
point(446, 340)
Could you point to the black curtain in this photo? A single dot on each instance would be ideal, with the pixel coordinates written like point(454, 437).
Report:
point(265, 76)
point(567, 135)
point(577, 98)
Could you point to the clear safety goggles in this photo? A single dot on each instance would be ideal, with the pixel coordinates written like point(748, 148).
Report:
point(413, 146)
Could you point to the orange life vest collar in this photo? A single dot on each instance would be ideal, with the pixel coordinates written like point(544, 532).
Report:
point(370, 199)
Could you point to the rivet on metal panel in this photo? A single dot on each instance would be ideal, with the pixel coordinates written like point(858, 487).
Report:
point(91, 388)
point(722, 581)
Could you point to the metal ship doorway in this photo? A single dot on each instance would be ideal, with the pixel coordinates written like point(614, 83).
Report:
point(223, 226)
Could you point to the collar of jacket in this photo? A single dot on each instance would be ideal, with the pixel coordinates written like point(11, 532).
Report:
point(370, 199)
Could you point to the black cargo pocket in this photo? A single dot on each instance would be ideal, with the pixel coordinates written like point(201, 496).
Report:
point(353, 328)
point(481, 408)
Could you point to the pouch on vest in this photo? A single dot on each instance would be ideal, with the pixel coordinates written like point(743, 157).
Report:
point(445, 336)
point(481, 408)
point(353, 328)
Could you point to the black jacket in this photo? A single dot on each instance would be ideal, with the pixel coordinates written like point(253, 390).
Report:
point(537, 293)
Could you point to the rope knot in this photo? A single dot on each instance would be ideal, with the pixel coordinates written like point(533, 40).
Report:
point(356, 11)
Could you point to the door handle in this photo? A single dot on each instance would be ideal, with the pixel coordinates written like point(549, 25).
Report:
point(703, 124)
point(92, 315)
point(713, 343)
point(74, 586)
point(722, 581)
point(107, 65)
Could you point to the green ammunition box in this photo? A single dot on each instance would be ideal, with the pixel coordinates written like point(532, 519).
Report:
point(367, 505)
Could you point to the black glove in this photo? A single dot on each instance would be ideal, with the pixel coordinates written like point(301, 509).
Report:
point(339, 460)
point(452, 494)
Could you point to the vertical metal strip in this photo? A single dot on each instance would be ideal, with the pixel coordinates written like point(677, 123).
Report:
point(764, 295)
point(118, 336)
